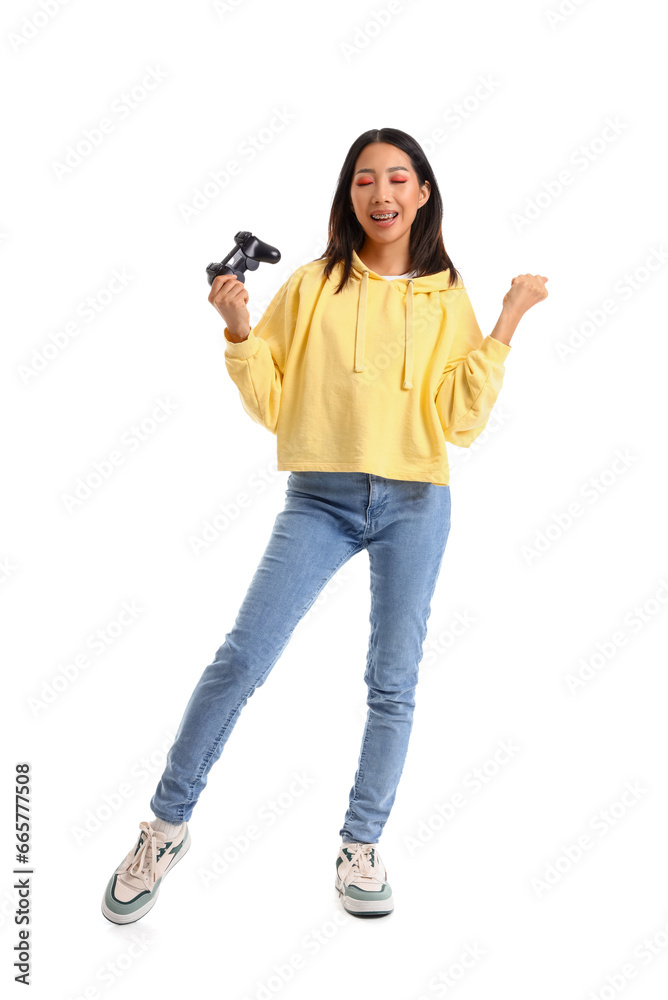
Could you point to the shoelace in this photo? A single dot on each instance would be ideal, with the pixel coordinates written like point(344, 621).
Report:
point(143, 866)
point(361, 860)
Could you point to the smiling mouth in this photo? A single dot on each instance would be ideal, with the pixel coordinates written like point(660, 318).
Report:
point(384, 216)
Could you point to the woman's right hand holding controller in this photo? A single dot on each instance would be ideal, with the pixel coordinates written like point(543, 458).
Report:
point(229, 296)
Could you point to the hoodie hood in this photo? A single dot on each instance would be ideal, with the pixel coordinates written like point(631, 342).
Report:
point(429, 283)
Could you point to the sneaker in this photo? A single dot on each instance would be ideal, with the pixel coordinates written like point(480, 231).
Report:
point(133, 888)
point(361, 880)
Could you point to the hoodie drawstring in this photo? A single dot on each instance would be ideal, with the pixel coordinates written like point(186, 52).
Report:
point(361, 324)
point(408, 344)
point(408, 333)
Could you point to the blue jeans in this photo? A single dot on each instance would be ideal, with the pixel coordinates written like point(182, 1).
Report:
point(328, 517)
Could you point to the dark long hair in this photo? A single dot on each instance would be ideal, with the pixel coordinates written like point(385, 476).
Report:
point(427, 252)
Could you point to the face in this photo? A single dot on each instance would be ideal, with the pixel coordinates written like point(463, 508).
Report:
point(385, 182)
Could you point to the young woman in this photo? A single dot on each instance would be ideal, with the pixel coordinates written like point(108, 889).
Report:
point(364, 364)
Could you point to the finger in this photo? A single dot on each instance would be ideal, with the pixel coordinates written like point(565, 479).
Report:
point(220, 280)
point(229, 291)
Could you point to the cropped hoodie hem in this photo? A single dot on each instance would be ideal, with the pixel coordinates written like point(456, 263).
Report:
point(385, 471)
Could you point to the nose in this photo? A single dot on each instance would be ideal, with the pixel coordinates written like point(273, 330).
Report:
point(382, 193)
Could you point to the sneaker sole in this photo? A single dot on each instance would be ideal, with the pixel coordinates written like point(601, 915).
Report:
point(130, 918)
point(363, 907)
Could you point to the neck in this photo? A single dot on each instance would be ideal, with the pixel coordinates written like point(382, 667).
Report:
point(385, 258)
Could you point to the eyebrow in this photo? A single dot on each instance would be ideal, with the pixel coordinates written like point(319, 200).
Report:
point(368, 170)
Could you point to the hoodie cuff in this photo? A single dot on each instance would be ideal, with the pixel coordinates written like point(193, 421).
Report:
point(243, 348)
point(495, 349)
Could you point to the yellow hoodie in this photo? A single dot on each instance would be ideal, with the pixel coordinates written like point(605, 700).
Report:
point(375, 379)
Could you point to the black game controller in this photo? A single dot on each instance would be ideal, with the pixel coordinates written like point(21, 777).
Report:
point(249, 252)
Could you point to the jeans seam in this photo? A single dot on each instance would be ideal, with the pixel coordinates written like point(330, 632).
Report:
point(360, 766)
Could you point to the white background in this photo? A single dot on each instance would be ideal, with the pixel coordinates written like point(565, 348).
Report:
point(223, 72)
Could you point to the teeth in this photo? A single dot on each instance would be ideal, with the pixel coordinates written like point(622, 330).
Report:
point(387, 215)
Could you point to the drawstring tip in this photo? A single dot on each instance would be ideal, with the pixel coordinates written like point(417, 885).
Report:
point(358, 369)
point(407, 384)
